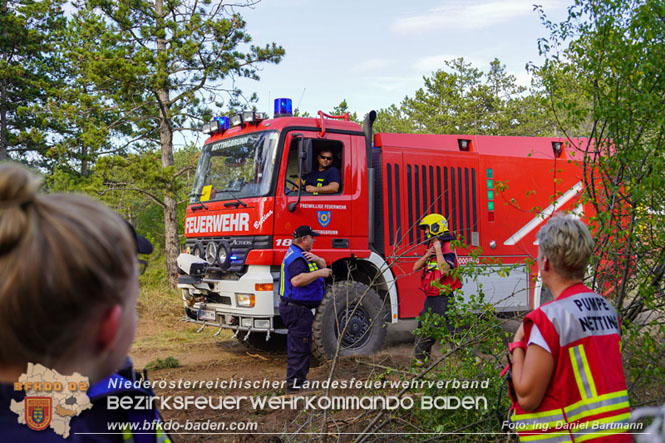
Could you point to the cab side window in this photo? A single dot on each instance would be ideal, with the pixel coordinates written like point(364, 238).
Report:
point(327, 166)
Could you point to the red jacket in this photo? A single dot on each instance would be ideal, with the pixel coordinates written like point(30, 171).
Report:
point(432, 274)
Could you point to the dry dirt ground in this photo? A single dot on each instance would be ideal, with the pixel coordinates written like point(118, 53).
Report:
point(204, 357)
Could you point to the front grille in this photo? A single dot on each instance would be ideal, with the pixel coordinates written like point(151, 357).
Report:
point(213, 297)
point(239, 247)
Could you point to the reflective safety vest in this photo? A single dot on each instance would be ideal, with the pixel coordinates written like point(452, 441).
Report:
point(312, 292)
point(587, 398)
point(116, 385)
point(432, 274)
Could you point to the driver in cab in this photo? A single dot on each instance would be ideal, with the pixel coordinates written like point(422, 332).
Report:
point(326, 178)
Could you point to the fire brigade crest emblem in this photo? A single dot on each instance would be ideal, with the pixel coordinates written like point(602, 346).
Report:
point(38, 412)
point(323, 218)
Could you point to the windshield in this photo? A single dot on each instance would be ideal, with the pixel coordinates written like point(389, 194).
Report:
point(241, 166)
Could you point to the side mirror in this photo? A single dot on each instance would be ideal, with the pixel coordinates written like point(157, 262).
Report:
point(304, 164)
point(305, 156)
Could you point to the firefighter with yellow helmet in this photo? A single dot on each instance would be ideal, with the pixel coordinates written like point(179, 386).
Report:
point(438, 278)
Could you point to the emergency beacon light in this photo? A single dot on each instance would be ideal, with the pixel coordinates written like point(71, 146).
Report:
point(283, 107)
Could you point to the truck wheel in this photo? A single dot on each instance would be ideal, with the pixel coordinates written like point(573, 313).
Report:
point(257, 341)
point(191, 313)
point(366, 330)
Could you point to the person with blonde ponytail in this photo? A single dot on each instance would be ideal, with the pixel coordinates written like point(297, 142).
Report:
point(68, 295)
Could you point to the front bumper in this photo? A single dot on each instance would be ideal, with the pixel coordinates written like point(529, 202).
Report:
point(225, 311)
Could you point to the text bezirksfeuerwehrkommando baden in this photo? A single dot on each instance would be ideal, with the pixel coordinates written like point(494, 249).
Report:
point(385, 401)
point(300, 402)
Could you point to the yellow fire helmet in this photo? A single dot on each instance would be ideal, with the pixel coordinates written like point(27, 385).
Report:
point(436, 223)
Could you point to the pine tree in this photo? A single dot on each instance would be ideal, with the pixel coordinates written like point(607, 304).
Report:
point(160, 66)
point(462, 99)
point(30, 72)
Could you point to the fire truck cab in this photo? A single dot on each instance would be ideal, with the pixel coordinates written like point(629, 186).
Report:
point(494, 191)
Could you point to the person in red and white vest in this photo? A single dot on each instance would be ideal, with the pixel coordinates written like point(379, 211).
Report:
point(438, 279)
point(567, 376)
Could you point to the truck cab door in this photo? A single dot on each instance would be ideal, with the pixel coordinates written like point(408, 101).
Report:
point(328, 214)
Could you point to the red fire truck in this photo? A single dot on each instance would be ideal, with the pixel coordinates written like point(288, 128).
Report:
point(494, 191)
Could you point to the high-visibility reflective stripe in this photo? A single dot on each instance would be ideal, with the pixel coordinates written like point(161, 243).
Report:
point(552, 437)
point(621, 421)
point(539, 421)
point(542, 417)
point(281, 280)
point(311, 266)
point(554, 419)
point(319, 184)
point(599, 405)
point(582, 372)
point(160, 436)
point(540, 426)
point(587, 371)
point(127, 434)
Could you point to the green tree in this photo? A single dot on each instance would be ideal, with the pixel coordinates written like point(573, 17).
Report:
point(342, 109)
point(160, 67)
point(564, 97)
point(393, 119)
point(613, 51)
point(462, 99)
point(131, 185)
point(30, 72)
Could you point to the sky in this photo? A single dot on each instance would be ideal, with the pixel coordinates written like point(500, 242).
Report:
point(374, 53)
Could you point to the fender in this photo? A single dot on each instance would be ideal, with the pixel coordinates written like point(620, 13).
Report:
point(389, 279)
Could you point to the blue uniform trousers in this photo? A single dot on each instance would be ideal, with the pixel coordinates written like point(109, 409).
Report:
point(298, 319)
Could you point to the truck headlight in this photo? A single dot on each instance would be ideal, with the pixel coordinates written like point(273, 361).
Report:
point(262, 324)
point(246, 322)
point(245, 300)
point(222, 255)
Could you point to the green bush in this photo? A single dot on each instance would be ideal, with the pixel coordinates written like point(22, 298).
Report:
point(167, 363)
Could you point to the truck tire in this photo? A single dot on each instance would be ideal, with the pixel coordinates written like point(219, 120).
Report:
point(191, 313)
point(257, 341)
point(366, 331)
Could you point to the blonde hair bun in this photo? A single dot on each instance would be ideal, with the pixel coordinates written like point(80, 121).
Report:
point(64, 259)
point(18, 188)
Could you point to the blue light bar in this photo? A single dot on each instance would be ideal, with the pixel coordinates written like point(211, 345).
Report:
point(283, 107)
point(223, 123)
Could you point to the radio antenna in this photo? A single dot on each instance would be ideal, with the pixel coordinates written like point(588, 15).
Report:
point(301, 96)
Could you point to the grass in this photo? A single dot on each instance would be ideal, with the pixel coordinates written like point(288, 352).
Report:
point(167, 363)
point(160, 301)
point(160, 312)
point(172, 338)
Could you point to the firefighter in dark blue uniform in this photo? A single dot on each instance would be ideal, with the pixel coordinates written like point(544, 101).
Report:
point(325, 179)
point(301, 289)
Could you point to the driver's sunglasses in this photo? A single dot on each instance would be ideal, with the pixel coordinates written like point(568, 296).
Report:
point(143, 265)
point(324, 157)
